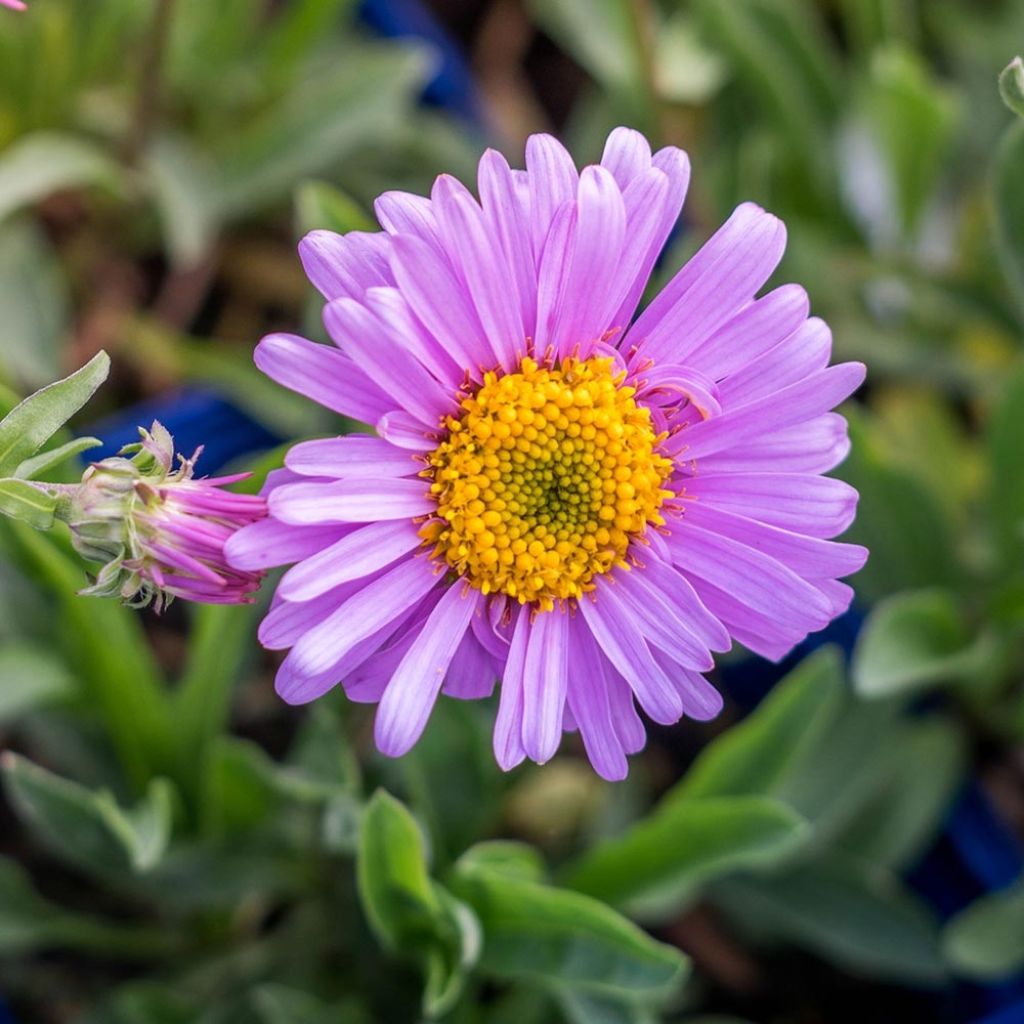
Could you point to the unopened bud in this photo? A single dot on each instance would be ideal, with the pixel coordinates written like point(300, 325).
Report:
point(159, 532)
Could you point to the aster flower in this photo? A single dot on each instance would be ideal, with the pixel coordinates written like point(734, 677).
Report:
point(159, 532)
point(15, 5)
point(557, 496)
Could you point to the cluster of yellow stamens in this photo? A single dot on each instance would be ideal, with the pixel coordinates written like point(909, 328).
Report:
point(543, 479)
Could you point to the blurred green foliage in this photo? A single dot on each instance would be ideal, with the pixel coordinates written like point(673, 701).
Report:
point(194, 852)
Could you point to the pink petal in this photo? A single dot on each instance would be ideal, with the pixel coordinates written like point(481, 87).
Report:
point(324, 374)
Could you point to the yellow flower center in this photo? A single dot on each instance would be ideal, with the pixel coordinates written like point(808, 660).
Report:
point(544, 478)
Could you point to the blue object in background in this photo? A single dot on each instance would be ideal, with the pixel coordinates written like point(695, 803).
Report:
point(453, 87)
point(194, 416)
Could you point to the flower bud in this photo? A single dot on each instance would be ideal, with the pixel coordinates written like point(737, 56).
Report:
point(159, 532)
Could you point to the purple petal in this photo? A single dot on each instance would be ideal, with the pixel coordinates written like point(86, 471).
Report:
point(587, 696)
point(471, 675)
point(592, 290)
point(721, 278)
point(402, 213)
point(345, 266)
point(751, 332)
point(756, 580)
point(405, 431)
point(359, 333)
point(270, 543)
point(553, 181)
point(351, 501)
point(324, 374)
point(353, 455)
point(804, 400)
point(615, 631)
point(818, 506)
point(544, 682)
point(368, 610)
point(360, 553)
point(410, 696)
point(701, 701)
point(812, 447)
point(660, 623)
point(480, 258)
point(439, 302)
point(508, 725)
point(627, 155)
point(802, 353)
point(810, 557)
point(409, 334)
point(508, 221)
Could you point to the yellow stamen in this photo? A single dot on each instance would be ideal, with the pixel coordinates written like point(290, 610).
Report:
point(543, 479)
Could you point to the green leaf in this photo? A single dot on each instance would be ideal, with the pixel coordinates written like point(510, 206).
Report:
point(34, 306)
point(899, 519)
point(661, 861)
point(843, 768)
point(859, 917)
point(107, 645)
point(30, 677)
point(1006, 486)
point(913, 118)
point(786, 66)
point(221, 638)
point(394, 885)
point(927, 762)
point(407, 910)
point(42, 463)
point(34, 421)
point(1008, 194)
point(586, 1008)
point(21, 500)
point(753, 756)
point(46, 162)
point(915, 640)
point(505, 857)
point(539, 932)
point(182, 184)
point(322, 206)
point(343, 106)
point(1011, 86)
point(29, 923)
point(986, 939)
point(90, 828)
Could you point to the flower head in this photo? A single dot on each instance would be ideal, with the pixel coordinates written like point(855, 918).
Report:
point(15, 5)
point(159, 532)
point(578, 502)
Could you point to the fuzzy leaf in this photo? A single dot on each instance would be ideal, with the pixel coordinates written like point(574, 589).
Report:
point(658, 863)
point(756, 754)
point(34, 421)
point(914, 640)
point(553, 935)
point(89, 827)
point(20, 500)
point(42, 463)
point(986, 940)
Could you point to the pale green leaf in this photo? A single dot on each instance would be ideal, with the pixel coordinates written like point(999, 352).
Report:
point(21, 500)
point(659, 863)
point(30, 677)
point(986, 940)
point(35, 420)
point(46, 162)
point(41, 464)
point(914, 640)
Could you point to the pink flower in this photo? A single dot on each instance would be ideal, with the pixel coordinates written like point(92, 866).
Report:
point(15, 5)
point(579, 502)
point(161, 534)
